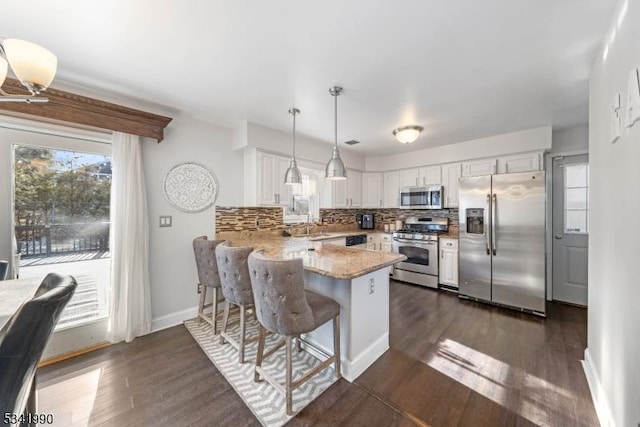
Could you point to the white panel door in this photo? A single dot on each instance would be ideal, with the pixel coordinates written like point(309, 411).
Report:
point(354, 182)
point(284, 193)
point(409, 178)
point(451, 174)
point(520, 163)
point(391, 189)
point(479, 167)
point(266, 187)
point(340, 193)
point(430, 175)
point(570, 228)
point(372, 190)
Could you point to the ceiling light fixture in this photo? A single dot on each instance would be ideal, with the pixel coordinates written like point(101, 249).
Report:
point(335, 168)
point(407, 134)
point(33, 65)
point(293, 175)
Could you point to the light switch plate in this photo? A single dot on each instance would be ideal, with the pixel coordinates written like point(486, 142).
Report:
point(165, 221)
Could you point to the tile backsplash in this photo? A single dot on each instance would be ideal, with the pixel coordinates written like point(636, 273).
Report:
point(250, 219)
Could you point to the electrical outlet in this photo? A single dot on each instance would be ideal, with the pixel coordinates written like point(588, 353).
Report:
point(199, 288)
point(372, 286)
point(165, 220)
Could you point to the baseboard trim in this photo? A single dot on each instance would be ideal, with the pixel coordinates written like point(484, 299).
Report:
point(598, 394)
point(173, 319)
point(74, 353)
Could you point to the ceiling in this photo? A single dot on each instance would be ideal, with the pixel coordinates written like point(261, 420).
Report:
point(463, 69)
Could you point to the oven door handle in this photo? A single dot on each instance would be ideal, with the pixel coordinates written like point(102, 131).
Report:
point(416, 242)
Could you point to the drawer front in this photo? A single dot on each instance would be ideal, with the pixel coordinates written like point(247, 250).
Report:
point(446, 243)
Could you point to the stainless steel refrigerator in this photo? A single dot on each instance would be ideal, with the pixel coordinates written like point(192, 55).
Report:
point(502, 240)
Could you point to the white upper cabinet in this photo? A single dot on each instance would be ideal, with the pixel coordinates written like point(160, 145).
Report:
point(451, 174)
point(347, 193)
point(430, 175)
point(409, 177)
point(520, 163)
point(284, 192)
point(266, 191)
point(354, 181)
point(479, 167)
point(391, 189)
point(264, 179)
point(372, 190)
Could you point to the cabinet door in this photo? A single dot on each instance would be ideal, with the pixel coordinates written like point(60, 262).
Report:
point(354, 181)
point(266, 189)
point(430, 175)
point(409, 178)
point(451, 173)
point(449, 267)
point(372, 190)
point(284, 193)
point(391, 189)
point(479, 167)
point(520, 163)
point(385, 247)
point(339, 193)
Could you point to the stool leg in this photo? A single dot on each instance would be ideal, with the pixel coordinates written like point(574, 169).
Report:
point(225, 320)
point(242, 328)
point(214, 313)
point(203, 292)
point(298, 344)
point(336, 344)
point(259, 353)
point(288, 396)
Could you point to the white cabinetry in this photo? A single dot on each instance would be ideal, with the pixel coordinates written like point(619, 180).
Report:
point(372, 190)
point(451, 174)
point(385, 242)
point(264, 179)
point(391, 189)
point(347, 193)
point(449, 262)
point(418, 177)
point(520, 163)
point(479, 167)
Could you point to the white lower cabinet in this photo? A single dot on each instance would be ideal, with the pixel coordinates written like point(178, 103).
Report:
point(449, 262)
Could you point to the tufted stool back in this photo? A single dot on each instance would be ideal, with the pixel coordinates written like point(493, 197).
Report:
point(234, 273)
point(206, 264)
point(279, 295)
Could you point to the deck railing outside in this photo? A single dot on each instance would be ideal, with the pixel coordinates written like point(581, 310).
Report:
point(43, 240)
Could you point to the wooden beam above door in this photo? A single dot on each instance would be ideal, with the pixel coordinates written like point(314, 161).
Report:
point(72, 108)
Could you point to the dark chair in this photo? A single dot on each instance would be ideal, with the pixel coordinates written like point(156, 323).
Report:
point(284, 307)
point(4, 269)
point(236, 287)
point(208, 276)
point(22, 342)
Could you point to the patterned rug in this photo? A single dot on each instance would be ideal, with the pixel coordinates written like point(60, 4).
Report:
point(266, 403)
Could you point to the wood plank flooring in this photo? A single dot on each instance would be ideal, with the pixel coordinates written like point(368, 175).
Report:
point(451, 363)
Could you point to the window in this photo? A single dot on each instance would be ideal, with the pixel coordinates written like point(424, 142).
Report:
point(576, 198)
point(306, 198)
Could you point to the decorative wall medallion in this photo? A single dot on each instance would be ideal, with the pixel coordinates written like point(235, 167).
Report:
point(190, 187)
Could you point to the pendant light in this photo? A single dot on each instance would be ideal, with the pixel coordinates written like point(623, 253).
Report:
point(335, 168)
point(293, 175)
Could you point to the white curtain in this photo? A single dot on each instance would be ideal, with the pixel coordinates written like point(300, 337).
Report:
point(130, 291)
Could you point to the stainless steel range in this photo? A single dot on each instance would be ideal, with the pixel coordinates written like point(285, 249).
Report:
point(418, 241)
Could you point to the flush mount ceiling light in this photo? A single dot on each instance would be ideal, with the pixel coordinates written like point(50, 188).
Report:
point(335, 168)
point(33, 65)
point(293, 175)
point(407, 134)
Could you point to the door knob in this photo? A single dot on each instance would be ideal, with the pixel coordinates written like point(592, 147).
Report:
point(557, 237)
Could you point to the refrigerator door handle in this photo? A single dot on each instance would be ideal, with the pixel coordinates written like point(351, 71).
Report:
point(487, 225)
point(494, 223)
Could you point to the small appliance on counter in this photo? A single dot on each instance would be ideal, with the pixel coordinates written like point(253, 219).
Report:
point(365, 221)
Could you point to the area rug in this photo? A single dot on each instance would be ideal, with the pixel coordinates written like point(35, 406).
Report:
point(266, 403)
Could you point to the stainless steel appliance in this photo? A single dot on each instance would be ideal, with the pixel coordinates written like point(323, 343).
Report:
point(502, 240)
point(429, 197)
point(365, 221)
point(418, 241)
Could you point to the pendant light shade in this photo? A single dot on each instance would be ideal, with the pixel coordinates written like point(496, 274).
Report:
point(293, 176)
point(335, 168)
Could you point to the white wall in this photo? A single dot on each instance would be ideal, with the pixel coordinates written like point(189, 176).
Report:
point(571, 140)
point(172, 266)
point(251, 135)
point(613, 355)
point(537, 139)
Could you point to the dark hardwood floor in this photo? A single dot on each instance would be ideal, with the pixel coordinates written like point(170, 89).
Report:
point(451, 363)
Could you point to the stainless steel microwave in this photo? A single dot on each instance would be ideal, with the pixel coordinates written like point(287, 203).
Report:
point(429, 197)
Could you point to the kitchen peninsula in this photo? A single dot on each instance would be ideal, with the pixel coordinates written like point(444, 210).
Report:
point(357, 279)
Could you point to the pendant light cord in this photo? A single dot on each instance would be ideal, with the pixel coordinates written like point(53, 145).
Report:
point(294, 135)
point(336, 118)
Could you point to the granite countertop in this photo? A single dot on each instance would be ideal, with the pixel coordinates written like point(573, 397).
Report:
point(339, 262)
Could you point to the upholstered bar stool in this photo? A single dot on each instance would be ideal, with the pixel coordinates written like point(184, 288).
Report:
point(208, 276)
point(236, 288)
point(284, 307)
